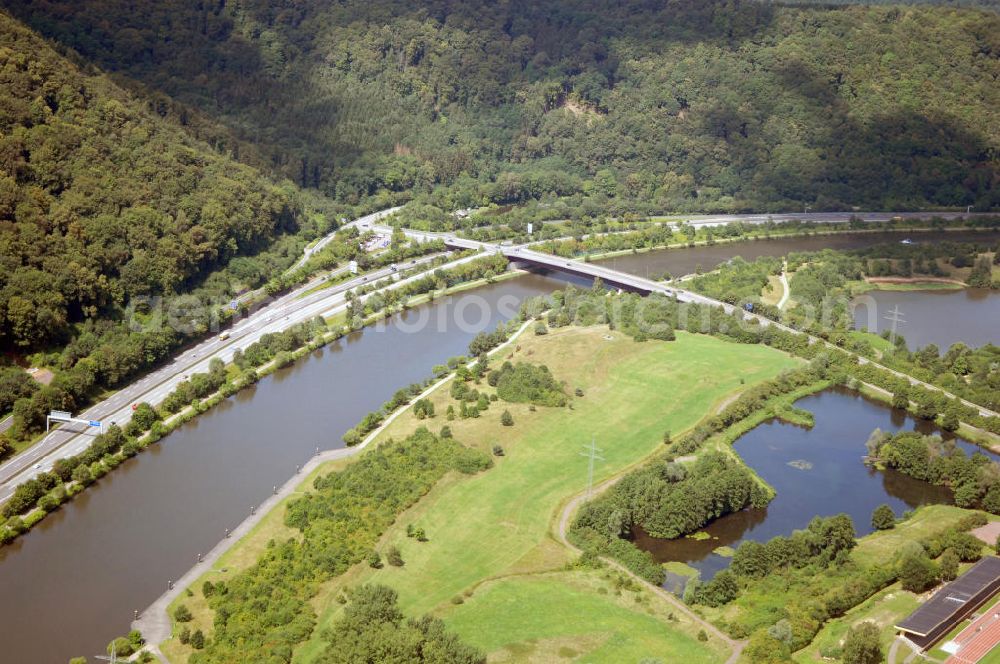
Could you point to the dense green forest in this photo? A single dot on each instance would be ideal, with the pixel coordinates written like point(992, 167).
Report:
point(157, 147)
point(101, 202)
point(679, 105)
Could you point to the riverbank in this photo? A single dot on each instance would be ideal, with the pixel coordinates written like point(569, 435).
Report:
point(464, 554)
point(758, 236)
point(236, 382)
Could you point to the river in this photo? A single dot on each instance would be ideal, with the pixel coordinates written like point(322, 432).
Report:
point(72, 584)
point(679, 262)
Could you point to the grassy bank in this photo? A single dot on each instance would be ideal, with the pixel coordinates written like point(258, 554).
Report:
point(890, 605)
point(491, 534)
point(490, 546)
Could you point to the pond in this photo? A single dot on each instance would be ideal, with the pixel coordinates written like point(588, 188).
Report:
point(815, 472)
point(942, 317)
point(113, 549)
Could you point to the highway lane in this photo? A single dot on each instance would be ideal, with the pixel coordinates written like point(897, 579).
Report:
point(825, 217)
point(639, 283)
point(290, 309)
point(281, 314)
point(361, 222)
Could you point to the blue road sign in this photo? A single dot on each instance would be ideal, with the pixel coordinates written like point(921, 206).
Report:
point(234, 305)
point(94, 423)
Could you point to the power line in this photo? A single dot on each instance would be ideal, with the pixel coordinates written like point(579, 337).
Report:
point(113, 659)
point(591, 452)
point(896, 316)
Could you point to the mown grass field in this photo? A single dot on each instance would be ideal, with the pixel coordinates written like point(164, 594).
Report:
point(489, 535)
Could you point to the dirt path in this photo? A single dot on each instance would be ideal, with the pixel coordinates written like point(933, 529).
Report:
point(914, 280)
point(784, 284)
point(564, 518)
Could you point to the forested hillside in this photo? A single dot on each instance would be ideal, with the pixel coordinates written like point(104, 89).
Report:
point(101, 202)
point(678, 105)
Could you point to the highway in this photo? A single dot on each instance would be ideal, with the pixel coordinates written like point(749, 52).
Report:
point(361, 222)
point(281, 314)
point(295, 307)
point(824, 217)
point(524, 254)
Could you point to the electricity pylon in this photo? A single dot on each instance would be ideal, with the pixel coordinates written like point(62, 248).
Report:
point(896, 317)
point(591, 452)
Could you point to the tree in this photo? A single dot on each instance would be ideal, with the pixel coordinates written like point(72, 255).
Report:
point(394, 557)
point(82, 475)
point(122, 646)
point(507, 419)
point(765, 649)
point(862, 645)
point(948, 565)
point(917, 573)
point(900, 400)
point(373, 629)
point(883, 518)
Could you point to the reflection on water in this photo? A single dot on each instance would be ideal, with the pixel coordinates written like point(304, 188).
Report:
point(930, 316)
point(112, 549)
point(832, 480)
point(688, 261)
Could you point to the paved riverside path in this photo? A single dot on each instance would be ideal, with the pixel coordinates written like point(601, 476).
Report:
point(784, 284)
point(155, 623)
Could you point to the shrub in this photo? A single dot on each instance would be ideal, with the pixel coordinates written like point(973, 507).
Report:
point(527, 383)
point(394, 556)
point(507, 419)
point(182, 613)
point(883, 518)
point(862, 645)
point(948, 565)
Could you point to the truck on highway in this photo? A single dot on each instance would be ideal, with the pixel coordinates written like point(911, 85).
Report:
point(223, 336)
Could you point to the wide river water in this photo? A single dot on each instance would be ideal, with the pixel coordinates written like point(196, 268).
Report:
point(71, 584)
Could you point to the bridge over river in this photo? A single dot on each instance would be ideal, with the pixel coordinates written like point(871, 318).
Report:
point(525, 256)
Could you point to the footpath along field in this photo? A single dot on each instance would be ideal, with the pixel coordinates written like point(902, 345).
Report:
point(492, 568)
